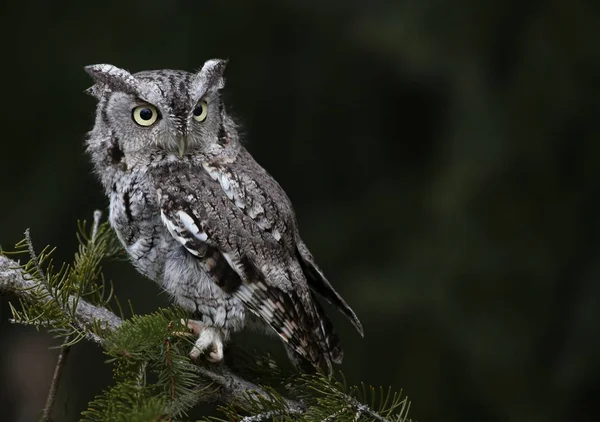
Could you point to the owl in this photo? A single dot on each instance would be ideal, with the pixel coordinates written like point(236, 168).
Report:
point(201, 218)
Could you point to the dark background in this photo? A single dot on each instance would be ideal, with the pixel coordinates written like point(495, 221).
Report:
point(442, 157)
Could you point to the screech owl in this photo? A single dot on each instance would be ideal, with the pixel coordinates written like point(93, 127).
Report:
point(200, 217)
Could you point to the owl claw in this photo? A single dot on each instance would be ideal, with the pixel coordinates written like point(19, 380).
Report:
point(209, 338)
point(217, 353)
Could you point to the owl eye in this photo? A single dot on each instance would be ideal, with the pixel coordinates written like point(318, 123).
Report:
point(200, 111)
point(145, 115)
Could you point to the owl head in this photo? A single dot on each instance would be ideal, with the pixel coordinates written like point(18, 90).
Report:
point(169, 112)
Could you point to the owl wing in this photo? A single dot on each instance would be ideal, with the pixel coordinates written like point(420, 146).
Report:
point(261, 198)
point(269, 280)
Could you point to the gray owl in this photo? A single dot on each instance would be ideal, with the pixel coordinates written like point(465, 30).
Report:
point(201, 218)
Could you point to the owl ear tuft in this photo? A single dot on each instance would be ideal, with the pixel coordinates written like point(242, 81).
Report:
point(114, 78)
point(214, 69)
point(209, 78)
point(109, 77)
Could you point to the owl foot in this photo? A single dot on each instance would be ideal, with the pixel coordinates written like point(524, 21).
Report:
point(209, 340)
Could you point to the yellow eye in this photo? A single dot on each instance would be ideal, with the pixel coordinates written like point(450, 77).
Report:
point(200, 111)
point(145, 115)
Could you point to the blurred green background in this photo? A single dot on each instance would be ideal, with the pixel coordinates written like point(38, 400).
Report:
point(442, 157)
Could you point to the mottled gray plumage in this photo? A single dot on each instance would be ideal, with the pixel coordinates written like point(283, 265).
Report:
point(200, 217)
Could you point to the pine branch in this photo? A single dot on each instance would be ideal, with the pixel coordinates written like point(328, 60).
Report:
point(73, 303)
point(12, 280)
point(232, 387)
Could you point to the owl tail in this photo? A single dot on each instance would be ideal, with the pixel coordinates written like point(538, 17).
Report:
point(332, 341)
point(322, 365)
point(326, 348)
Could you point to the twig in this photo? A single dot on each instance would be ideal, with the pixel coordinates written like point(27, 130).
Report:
point(45, 324)
point(168, 344)
point(361, 409)
point(262, 416)
point(36, 261)
point(336, 414)
point(97, 217)
point(58, 370)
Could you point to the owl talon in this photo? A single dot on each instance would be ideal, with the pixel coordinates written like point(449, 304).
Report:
point(217, 353)
point(208, 339)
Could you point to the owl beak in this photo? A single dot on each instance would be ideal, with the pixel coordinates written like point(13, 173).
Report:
point(182, 146)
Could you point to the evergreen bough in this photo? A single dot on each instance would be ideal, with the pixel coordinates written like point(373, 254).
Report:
point(154, 379)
